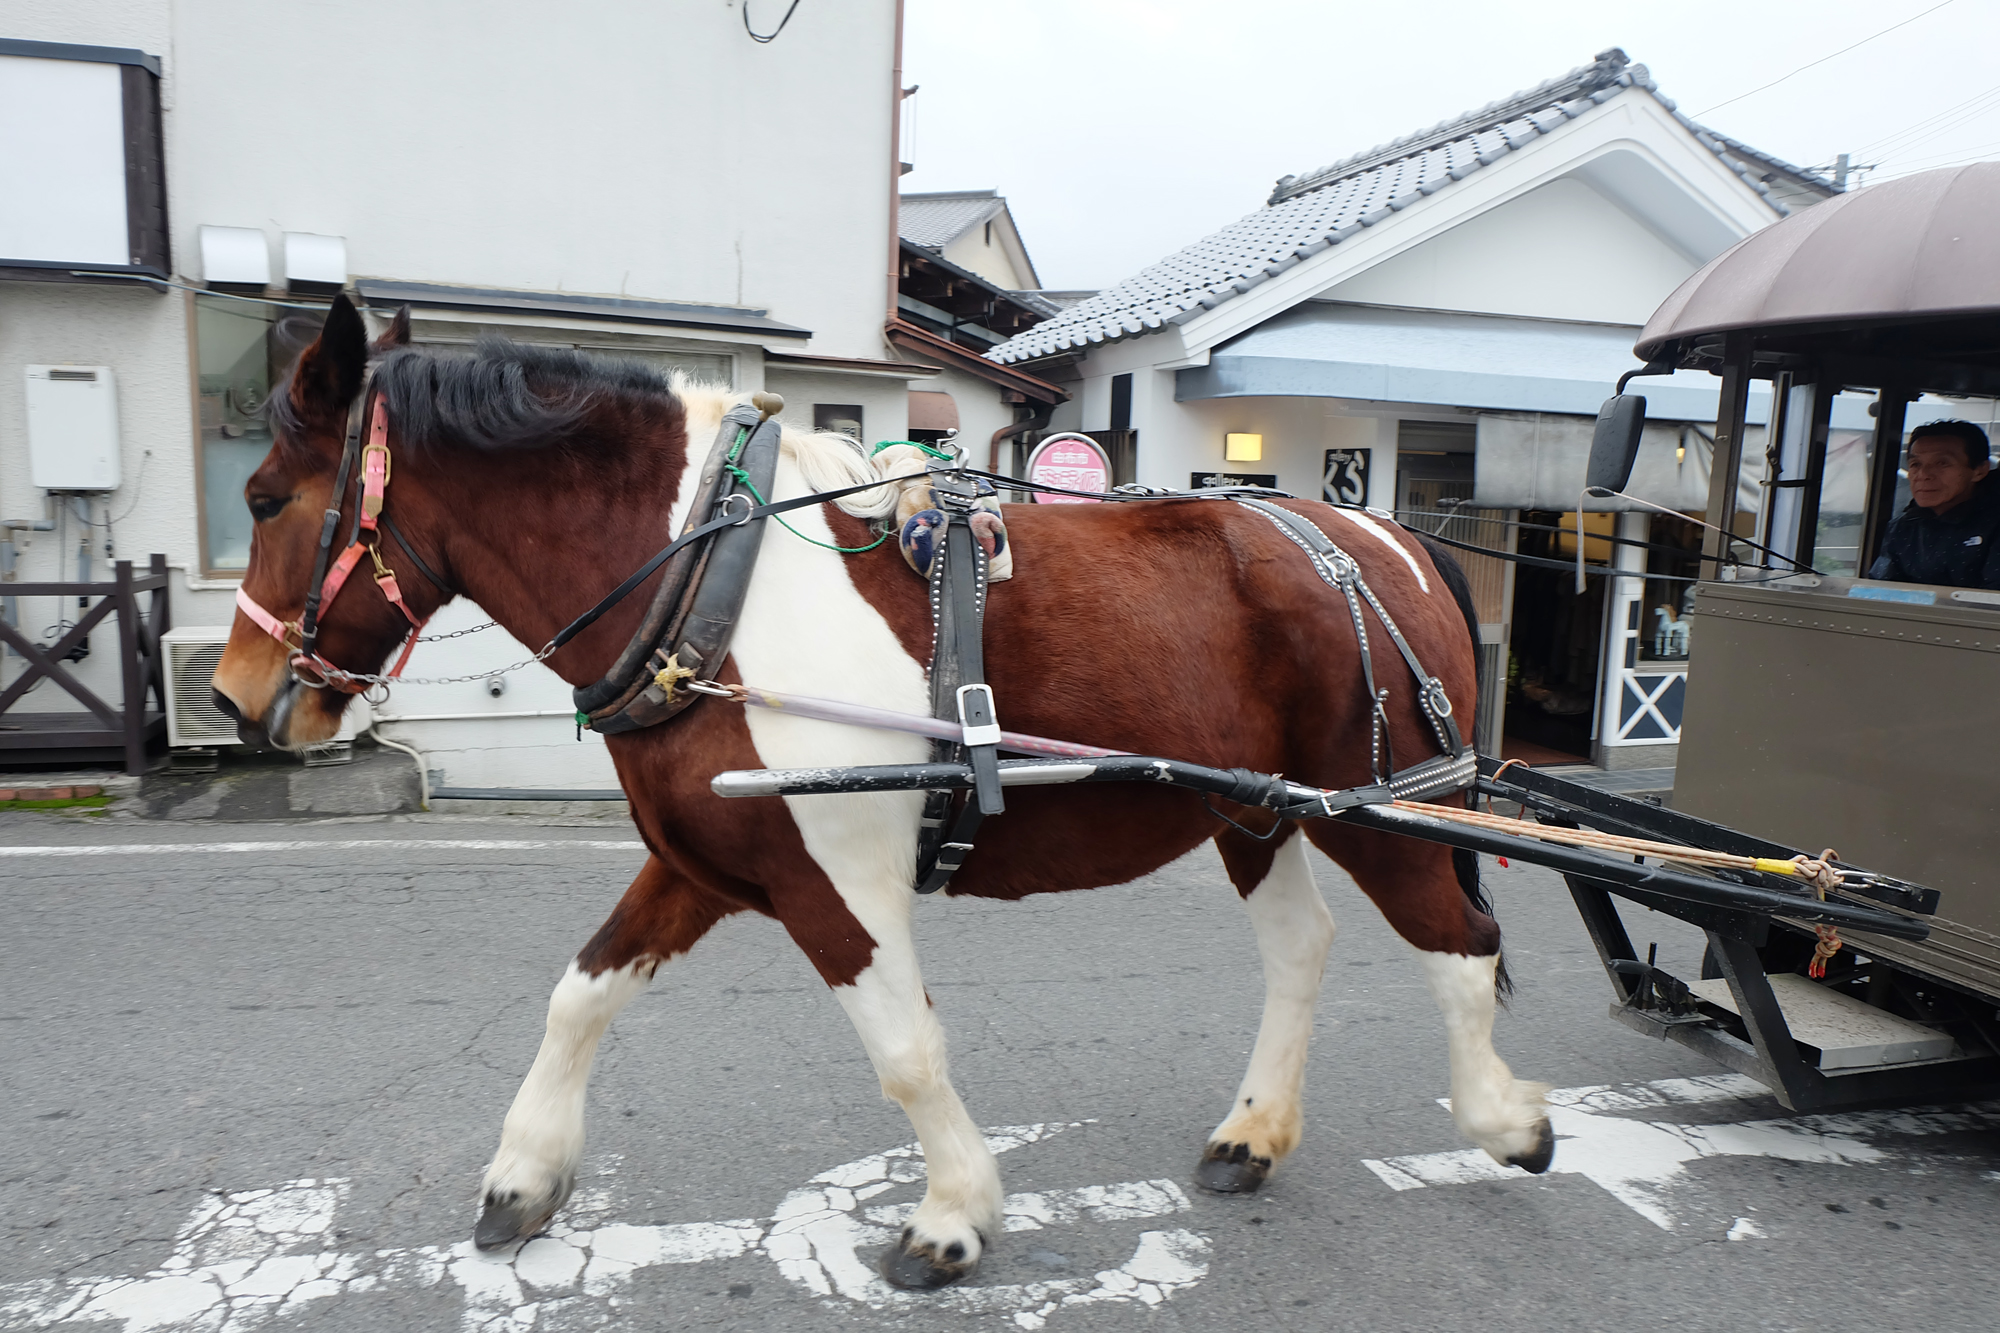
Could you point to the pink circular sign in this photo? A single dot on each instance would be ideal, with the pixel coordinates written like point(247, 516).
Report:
point(1073, 462)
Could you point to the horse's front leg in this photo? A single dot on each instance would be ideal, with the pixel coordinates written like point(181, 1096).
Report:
point(892, 1012)
point(661, 915)
point(1294, 932)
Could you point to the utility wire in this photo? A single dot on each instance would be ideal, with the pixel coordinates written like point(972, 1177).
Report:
point(1911, 135)
point(766, 38)
point(1821, 61)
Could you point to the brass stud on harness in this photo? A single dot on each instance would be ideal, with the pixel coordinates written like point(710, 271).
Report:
point(768, 404)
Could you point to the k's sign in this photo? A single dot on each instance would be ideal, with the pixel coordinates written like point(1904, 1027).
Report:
point(1346, 480)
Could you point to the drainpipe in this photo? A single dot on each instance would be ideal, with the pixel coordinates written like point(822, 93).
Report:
point(896, 96)
point(1005, 433)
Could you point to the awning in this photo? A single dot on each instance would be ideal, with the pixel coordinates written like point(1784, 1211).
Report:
point(381, 292)
point(1537, 461)
point(931, 410)
point(1326, 349)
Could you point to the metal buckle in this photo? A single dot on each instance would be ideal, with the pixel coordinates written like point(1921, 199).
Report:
point(986, 732)
point(722, 509)
point(1440, 701)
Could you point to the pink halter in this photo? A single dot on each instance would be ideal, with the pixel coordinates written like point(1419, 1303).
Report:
point(374, 487)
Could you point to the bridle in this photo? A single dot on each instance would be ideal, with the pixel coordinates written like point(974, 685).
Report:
point(329, 574)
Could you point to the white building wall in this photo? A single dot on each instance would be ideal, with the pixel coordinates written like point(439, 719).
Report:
point(980, 411)
point(643, 148)
point(1562, 251)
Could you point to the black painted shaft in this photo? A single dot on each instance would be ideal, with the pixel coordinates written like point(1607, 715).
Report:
point(1366, 807)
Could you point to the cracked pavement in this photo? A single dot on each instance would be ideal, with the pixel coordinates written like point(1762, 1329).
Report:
point(176, 1024)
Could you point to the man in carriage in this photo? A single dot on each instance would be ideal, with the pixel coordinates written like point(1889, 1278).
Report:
point(1949, 534)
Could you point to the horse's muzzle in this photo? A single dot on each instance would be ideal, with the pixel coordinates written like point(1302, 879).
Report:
point(251, 733)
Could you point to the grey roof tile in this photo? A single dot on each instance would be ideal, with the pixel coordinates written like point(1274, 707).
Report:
point(1306, 214)
point(936, 220)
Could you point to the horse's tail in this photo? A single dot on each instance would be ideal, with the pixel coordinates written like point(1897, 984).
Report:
point(1464, 861)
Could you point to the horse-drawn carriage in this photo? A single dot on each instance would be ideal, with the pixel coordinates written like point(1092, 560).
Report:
point(1220, 639)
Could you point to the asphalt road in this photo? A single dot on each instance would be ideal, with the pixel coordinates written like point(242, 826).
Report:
point(257, 1089)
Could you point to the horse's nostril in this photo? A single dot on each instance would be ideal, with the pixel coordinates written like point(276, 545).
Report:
point(227, 705)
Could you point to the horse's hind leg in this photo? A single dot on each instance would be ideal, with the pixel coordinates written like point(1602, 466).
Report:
point(1430, 895)
point(661, 915)
point(1294, 931)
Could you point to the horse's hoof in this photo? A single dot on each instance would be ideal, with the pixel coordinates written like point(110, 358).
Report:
point(1536, 1160)
point(1231, 1168)
point(506, 1219)
point(914, 1266)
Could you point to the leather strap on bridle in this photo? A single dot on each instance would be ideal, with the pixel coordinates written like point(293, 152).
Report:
point(330, 575)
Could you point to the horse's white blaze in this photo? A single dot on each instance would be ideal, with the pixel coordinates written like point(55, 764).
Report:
point(1497, 1111)
point(542, 1140)
point(1294, 932)
point(1382, 534)
point(806, 629)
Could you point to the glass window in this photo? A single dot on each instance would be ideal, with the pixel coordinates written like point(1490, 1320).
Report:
point(241, 350)
point(1837, 540)
point(1667, 604)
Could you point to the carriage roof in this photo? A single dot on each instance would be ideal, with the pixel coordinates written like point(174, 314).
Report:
point(1902, 279)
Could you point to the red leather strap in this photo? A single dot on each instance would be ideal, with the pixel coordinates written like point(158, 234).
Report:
point(261, 618)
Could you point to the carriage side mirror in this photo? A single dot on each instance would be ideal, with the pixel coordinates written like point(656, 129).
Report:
point(1614, 445)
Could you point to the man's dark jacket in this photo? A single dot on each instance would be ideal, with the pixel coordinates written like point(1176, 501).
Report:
point(1958, 549)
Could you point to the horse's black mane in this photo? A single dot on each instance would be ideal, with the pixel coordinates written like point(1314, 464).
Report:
point(504, 395)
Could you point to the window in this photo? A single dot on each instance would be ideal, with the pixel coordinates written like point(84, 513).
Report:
point(241, 350)
point(841, 418)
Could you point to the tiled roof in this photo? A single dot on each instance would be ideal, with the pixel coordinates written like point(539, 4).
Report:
point(936, 220)
point(1306, 214)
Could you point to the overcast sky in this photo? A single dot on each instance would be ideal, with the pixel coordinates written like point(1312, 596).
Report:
point(1122, 130)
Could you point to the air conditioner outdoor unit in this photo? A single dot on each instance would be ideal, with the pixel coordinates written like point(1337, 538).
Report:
point(192, 717)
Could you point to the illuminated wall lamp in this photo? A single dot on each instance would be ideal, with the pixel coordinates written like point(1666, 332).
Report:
point(1242, 448)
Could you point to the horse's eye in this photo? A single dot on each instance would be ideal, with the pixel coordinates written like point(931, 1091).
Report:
point(266, 507)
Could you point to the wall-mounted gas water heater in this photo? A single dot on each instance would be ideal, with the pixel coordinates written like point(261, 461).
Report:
point(72, 428)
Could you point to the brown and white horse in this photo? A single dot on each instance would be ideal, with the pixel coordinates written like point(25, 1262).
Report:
point(532, 481)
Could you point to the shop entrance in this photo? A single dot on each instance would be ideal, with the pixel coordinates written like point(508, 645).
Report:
point(1557, 643)
point(1434, 485)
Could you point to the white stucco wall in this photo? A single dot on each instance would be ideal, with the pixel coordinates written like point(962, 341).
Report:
point(644, 148)
point(980, 411)
point(1002, 259)
point(1562, 251)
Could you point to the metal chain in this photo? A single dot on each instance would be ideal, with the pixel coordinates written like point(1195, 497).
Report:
point(457, 633)
point(369, 678)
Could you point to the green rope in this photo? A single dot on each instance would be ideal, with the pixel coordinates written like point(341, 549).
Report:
point(938, 454)
point(744, 477)
point(742, 434)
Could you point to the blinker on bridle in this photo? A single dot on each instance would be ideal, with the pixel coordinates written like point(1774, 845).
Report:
point(329, 574)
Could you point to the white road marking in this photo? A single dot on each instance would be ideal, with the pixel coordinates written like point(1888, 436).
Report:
point(333, 845)
point(246, 1256)
point(1639, 1162)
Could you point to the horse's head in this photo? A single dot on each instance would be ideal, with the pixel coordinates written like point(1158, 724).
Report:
point(289, 496)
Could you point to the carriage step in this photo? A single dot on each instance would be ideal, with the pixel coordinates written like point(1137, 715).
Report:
point(1848, 1034)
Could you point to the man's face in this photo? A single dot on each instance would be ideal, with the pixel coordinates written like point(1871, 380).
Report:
point(1940, 478)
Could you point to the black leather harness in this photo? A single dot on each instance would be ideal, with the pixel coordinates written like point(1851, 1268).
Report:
point(687, 628)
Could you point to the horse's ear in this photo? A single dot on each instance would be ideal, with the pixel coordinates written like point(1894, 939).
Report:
point(329, 373)
point(397, 334)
